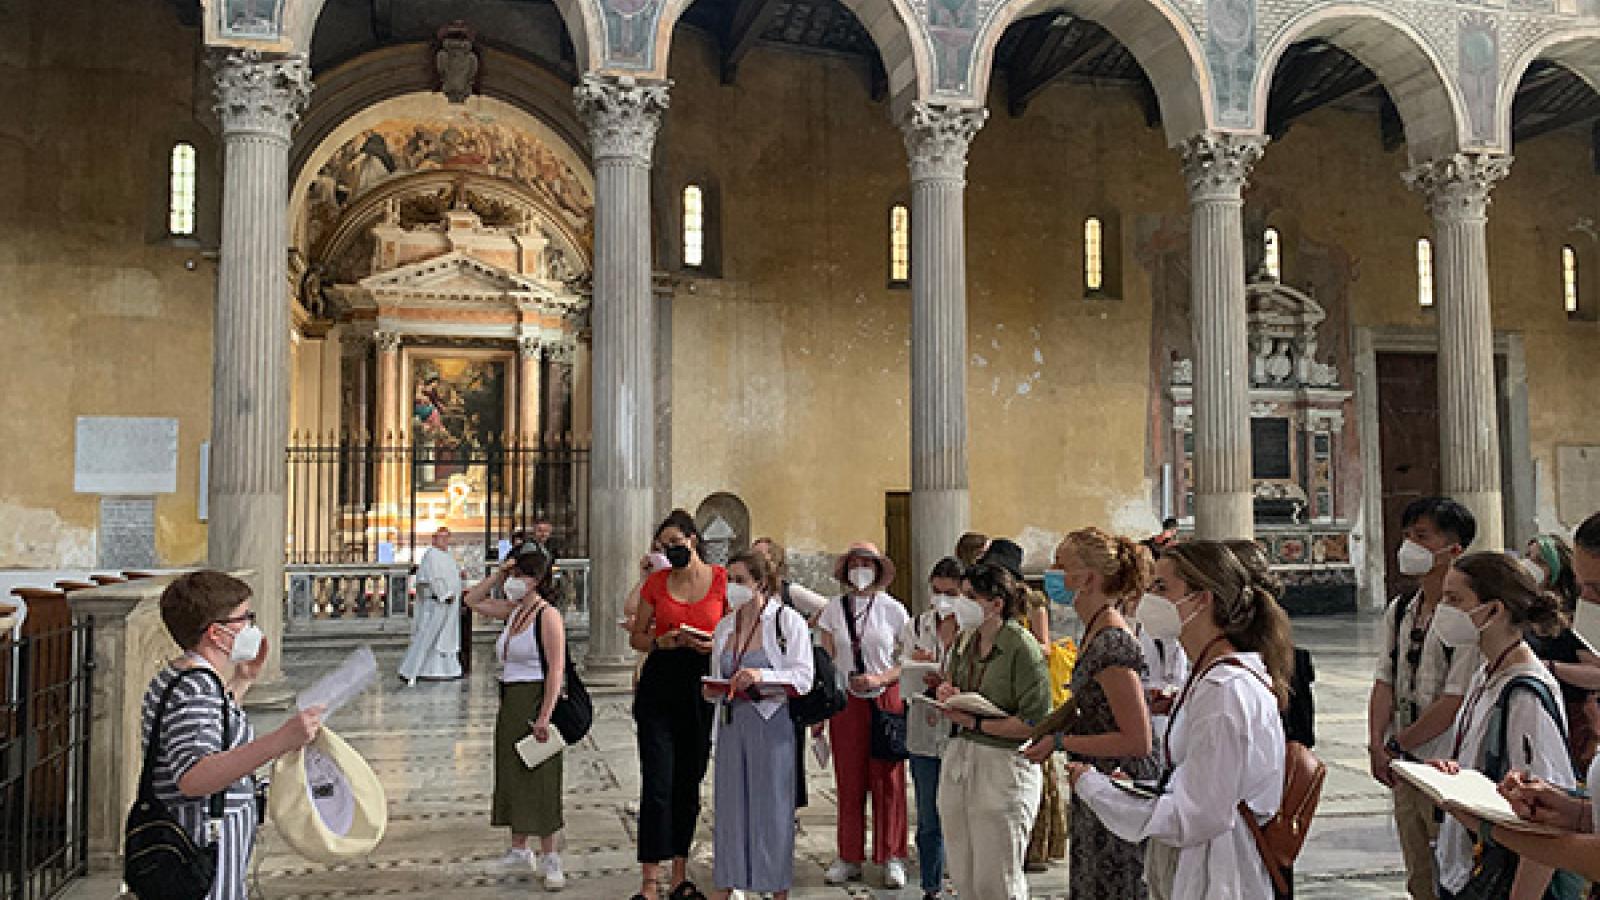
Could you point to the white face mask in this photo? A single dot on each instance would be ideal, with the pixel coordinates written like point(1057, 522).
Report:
point(246, 644)
point(943, 604)
point(863, 577)
point(516, 589)
point(1534, 570)
point(968, 613)
point(1160, 618)
point(1587, 623)
point(1455, 628)
point(1414, 559)
point(739, 595)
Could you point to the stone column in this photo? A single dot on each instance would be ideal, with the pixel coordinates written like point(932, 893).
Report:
point(1457, 195)
point(622, 115)
point(936, 139)
point(391, 458)
point(259, 100)
point(1216, 167)
point(528, 361)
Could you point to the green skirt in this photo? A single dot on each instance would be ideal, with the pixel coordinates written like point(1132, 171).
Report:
point(528, 801)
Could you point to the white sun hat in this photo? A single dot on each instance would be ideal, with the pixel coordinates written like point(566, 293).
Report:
point(326, 802)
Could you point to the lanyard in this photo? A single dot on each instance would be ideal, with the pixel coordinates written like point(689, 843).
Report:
point(1194, 676)
point(1088, 630)
point(1471, 706)
point(744, 646)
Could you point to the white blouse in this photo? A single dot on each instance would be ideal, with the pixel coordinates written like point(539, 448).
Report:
point(1167, 666)
point(1533, 745)
point(791, 658)
point(879, 619)
point(1227, 746)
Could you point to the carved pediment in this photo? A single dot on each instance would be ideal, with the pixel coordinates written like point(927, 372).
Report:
point(454, 275)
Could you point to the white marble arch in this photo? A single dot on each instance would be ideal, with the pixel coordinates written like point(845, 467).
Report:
point(1159, 36)
point(1408, 65)
point(1578, 49)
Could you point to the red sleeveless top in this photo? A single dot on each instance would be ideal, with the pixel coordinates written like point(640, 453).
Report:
point(672, 612)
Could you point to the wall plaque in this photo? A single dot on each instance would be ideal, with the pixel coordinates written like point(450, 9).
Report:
point(1269, 448)
point(127, 532)
point(126, 455)
point(1577, 482)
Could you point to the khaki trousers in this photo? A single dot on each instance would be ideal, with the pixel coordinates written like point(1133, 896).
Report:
point(1413, 817)
point(988, 797)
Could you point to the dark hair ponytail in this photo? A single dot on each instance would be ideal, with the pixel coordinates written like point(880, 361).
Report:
point(1496, 577)
point(995, 582)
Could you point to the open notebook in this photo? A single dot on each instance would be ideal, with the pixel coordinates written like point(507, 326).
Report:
point(974, 704)
point(1469, 789)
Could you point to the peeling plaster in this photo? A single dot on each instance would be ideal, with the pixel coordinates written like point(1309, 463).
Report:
point(38, 538)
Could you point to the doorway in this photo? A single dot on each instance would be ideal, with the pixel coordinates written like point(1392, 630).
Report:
point(897, 543)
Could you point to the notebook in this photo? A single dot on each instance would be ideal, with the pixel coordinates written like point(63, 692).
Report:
point(1472, 791)
point(534, 752)
point(973, 704)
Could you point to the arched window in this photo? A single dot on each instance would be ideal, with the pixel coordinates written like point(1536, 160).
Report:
point(1272, 254)
point(1424, 273)
point(1094, 255)
point(180, 191)
point(1569, 279)
point(694, 227)
point(899, 244)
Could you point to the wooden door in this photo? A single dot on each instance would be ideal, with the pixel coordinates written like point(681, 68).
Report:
point(897, 543)
point(1408, 439)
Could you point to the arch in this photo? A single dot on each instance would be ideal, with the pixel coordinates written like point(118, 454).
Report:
point(582, 18)
point(1576, 49)
point(1429, 101)
point(1159, 37)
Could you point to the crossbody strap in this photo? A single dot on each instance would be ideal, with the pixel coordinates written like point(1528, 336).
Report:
point(538, 641)
point(1494, 757)
point(850, 628)
point(147, 791)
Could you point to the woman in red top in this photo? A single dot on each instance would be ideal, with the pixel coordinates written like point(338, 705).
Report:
point(678, 610)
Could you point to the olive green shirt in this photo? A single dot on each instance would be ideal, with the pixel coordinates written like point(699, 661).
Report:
point(1013, 676)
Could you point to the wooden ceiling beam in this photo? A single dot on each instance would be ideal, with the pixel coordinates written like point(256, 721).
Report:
point(1576, 115)
point(750, 21)
point(1021, 91)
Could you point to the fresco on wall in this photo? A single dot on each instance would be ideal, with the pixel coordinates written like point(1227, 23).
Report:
point(251, 19)
point(457, 409)
point(952, 33)
point(1478, 70)
point(1231, 54)
point(630, 32)
point(400, 147)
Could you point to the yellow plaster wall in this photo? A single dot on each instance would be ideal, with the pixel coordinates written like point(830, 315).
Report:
point(96, 318)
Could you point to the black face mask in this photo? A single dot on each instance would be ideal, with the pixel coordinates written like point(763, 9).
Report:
point(678, 556)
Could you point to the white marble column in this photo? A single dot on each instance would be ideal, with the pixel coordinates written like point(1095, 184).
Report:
point(259, 100)
point(623, 115)
point(1217, 167)
point(529, 360)
point(936, 141)
point(1457, 194)
point(391, 460)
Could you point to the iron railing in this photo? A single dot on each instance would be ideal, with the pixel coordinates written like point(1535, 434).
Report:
point(45, 684)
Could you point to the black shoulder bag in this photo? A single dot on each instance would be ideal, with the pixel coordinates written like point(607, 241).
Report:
point(574, 711)
point(888, 726)
point(825, 700)
point(162, 862)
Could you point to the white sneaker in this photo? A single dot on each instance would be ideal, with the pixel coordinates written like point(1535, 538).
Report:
point(517, 859)
point(842, 871)
point(550, 868)
point(894, 874)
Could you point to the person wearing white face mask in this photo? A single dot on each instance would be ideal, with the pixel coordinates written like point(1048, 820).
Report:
point(859, 630)
point(1489, 602)
point(532, 653)
point(1167, 666)
point(1568, 646)
point(927, 639)
point(1419, 683)
point(760, 657)
point(187, 710)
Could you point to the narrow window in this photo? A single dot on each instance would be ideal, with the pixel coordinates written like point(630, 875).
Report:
point(180, 205)
point(1424, 273)
point(1094, 255)
point(694, 227)
point(1569, 279)
point(1272, 254)
point(899, 244)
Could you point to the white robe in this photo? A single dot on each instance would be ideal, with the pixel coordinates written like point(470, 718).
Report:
point(435, 630)
point(1227, 746)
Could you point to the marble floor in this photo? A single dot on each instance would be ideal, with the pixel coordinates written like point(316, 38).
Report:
point(430, 744)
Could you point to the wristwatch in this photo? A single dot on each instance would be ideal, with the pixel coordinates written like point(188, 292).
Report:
point(1393, 746)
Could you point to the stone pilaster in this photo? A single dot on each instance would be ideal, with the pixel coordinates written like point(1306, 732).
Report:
point(1217, 166)
point(936, 141)
point(1456, 190)
point(623, 116)
point(529, 359)
point(259, 100)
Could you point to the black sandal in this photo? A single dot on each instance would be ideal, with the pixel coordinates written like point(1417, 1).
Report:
point(686, 890)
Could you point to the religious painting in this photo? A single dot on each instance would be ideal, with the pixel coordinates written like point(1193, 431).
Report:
point(457, 410)
point(1479, 71)
point(630, 32)
point(953, 28)
point(251, 19)
point(1231, 52)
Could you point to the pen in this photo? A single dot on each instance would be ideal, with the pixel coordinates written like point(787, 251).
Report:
point(1527, 750)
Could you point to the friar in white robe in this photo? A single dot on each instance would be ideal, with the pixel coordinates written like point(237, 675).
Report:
point(435, 632)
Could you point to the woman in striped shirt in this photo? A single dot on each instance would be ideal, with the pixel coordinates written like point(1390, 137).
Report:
point(208, 615)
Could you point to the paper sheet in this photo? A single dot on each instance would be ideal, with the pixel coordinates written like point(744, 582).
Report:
point(343, 684)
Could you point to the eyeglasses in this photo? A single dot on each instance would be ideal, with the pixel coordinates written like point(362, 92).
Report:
point(247, 617)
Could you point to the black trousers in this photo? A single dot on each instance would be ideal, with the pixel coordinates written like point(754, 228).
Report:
point(674, 728)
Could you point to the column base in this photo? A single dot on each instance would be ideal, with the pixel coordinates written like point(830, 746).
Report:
point(938, 519)
point(1489, 511)
point(275, 695)
point(1224, 516)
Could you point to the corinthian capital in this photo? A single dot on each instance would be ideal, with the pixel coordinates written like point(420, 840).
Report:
point(1217, 165)
point(387, 341)
point(260, 94)
point(1457, 187)
point(623, 115)
point(937, 138)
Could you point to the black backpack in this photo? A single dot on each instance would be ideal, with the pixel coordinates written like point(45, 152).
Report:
point(574, 711)
point(825, 699)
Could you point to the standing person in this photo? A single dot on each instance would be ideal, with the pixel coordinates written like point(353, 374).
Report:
point(763, 650)
point(1563, 645)
point(1490, 602)
point(859, 629)
point(928, 639)
point(208, 615)
point(797, 596)
point(528, 801)
point(988, 795)
point(543, 538)
point(969, 547)
point(1112, 728)
point(435, 635)
point(1166, 669)
point(1420, 682)
point(1225, 743)
point(679, 609)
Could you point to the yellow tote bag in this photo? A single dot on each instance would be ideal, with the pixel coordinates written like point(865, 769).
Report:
point(1061, 656)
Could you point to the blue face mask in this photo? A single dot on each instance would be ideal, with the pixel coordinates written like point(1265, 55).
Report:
point(1055, 587)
